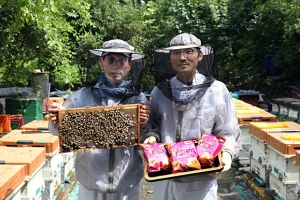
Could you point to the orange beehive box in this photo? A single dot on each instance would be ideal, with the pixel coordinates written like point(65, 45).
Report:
point(27, 138)
point(246, 115)
point(11, 176)
point(31, 157)
point(284, 146)
point(36, 125)
point(260, 129)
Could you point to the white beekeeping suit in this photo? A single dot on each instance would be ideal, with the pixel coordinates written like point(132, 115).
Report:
point(181, 112)
point(109, 174)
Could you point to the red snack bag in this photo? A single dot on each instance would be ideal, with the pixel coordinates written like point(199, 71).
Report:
point(183, 156)
point(157, 157)
point(208, 148)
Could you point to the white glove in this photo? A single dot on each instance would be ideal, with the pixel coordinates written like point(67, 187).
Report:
point(150, 140)
point(226, 160)
point(229, 148)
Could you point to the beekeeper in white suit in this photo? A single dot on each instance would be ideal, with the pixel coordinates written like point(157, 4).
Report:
point(109, 174)
point(184, 107)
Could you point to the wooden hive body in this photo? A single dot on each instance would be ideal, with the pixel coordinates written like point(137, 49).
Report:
point(253, 114)
point(27, 138)
point(287, 147)
point(31, 157)
point(36, 125)
point(11, 176)
point(272, 127)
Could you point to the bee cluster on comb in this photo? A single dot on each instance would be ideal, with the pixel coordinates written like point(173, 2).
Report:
point(98, 128)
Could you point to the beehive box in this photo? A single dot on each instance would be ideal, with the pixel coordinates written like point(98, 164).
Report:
point(31, 157)
point(298, 157)
point(246, 115)
point(283, 166)
point(240, 103)
point(34, 185)
point(52, 167)
point(30, 108)
point(293, 112)
point(295, 92)
point(259, 150)
point(284, 191)
point(51, 187)
point(259, 169)
point(284, 146)
point(246, 136)
point(102, 127)
point(260, 129)
point(27, 138)
point(165, 175)
point(11, 176)
point(36, 125)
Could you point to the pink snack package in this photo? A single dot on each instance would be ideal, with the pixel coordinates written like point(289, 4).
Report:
point(183, 156)
point(208, 148)
point(157, 157)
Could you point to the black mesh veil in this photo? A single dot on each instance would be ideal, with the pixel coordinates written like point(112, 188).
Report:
point(134, 75)
point(164, 72)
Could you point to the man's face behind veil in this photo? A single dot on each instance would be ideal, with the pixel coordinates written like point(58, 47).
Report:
point(116, 66)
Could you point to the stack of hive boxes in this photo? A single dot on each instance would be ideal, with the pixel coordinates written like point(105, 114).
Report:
point(42, 183)
point(33, 159)
point(297, 188)
point(286, 107)
point(63, 163)
point(68, 165)
point(273, 156)
point(246, 113)
point(11, 181)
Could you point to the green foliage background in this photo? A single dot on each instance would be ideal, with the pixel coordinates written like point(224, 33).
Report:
point(56, 35)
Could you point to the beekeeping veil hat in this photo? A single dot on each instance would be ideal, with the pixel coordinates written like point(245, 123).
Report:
point(184, 41)
point(115, 46)
point(164, 70)
point(163, 66)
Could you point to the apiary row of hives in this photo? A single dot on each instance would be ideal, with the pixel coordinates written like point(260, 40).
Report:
point(49, 159)
point(274, 148)
point(246, 113)
point(287, 108)
point(32, 166)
